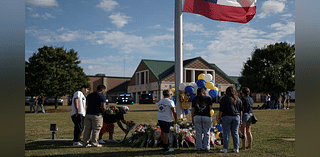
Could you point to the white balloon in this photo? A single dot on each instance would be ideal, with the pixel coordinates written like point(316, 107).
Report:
point(207, 92)
point(195, 90)
point(193, 84)
point(182, 86)
point(207, 77)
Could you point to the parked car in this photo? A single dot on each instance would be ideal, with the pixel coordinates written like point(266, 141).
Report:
point(146, 98)
point(124, 99)
point(27, 98)
point(51, 101)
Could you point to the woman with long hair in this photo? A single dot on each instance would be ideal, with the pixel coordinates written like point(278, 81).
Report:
point(200, 112)
point(247, 103)
point(230, 113)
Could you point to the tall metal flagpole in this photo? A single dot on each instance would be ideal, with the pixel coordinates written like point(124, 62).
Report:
point(178, 52)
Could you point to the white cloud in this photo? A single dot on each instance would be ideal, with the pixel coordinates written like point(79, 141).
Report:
point(271, 7)
point(119, 19)
point(282, 30)
point(162, 37)
point(287, 15)
point(188, 47)
point(115, 69)
point(42, 3)
point(232, 47)
point(107, 5)
point(193, 27)
point(170, 29)
point(45, 16)
point(48, 36)
point(155, 27)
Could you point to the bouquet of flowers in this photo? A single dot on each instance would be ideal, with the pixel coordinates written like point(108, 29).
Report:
point(157, 135)
point(111, 109)
point(151, 135)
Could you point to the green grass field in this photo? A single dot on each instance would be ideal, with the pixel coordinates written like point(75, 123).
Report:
point(268, 134)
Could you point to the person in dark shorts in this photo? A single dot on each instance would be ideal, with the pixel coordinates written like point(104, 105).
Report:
point(166, 109)
point(108, 125)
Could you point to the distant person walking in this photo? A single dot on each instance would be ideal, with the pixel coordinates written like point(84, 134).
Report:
point(40, 103)
point(78, 113)
point(32, 102)
point(288, 99)
point(230, 113)
point(166, 109)
point(201, 118)
point(96, 105)
point(247, 105)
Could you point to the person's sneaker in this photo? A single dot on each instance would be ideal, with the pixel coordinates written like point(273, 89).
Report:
point(236, 150)
point(170, 150)
point(114, 141)
point(101, 141)
point(77, 144)
point(86, 146)
point(224, 151)
point(98, 145)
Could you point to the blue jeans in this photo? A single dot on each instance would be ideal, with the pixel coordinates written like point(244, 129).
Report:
point(202, 125)
point(230, 123)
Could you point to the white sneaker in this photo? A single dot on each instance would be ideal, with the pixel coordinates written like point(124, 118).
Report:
point(77, 144)
point(98, 145)
point(114, 141)
point(86, 146)
point(224, 151)
point(101, 141)
point(170, 150)
point(236, 150)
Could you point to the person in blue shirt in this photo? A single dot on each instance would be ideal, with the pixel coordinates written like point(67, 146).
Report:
point(96, 105)
point(230, 113)
point(247, 105)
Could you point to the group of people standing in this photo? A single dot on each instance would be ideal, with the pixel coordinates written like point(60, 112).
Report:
point(275, 101)
point(33, 101)
point(88, 112)
point(233, 113)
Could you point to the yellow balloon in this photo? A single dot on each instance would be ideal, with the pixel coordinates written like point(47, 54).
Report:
point(173, 90)
point(211, 112)
point(209, 85)
point(201, 76)
point(217, 135)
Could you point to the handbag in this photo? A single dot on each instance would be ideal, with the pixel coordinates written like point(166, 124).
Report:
point(253, 119)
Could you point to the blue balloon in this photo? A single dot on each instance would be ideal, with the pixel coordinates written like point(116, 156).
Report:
point(219, 127)
point(212, 81)
point(201, 83)
point(213, 93)
point(189, 89)
point(186, 111)
point(191, 97)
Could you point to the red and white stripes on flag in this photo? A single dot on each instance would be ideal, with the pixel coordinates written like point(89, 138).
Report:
point(241, 11)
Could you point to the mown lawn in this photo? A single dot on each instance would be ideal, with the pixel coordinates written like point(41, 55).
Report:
point(268, 134)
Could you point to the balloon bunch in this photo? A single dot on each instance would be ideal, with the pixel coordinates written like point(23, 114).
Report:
point(204, 81)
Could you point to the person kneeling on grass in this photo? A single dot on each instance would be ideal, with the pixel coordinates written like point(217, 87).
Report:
point(108, 125)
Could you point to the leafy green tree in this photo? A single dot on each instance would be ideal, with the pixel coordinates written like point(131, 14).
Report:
point(270, 69)
point(54, 72)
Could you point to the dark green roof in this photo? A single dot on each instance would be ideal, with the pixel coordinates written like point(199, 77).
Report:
point(235, 79)
point(163, 69)
point(158, 67)
point(121, 88)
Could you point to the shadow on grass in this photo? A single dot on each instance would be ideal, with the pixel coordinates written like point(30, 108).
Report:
point(143, 110)
point(38, 145)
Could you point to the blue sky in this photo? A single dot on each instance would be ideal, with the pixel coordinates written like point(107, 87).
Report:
point(113, 35)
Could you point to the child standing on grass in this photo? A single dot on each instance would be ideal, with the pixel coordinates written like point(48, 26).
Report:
point(166, 109)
